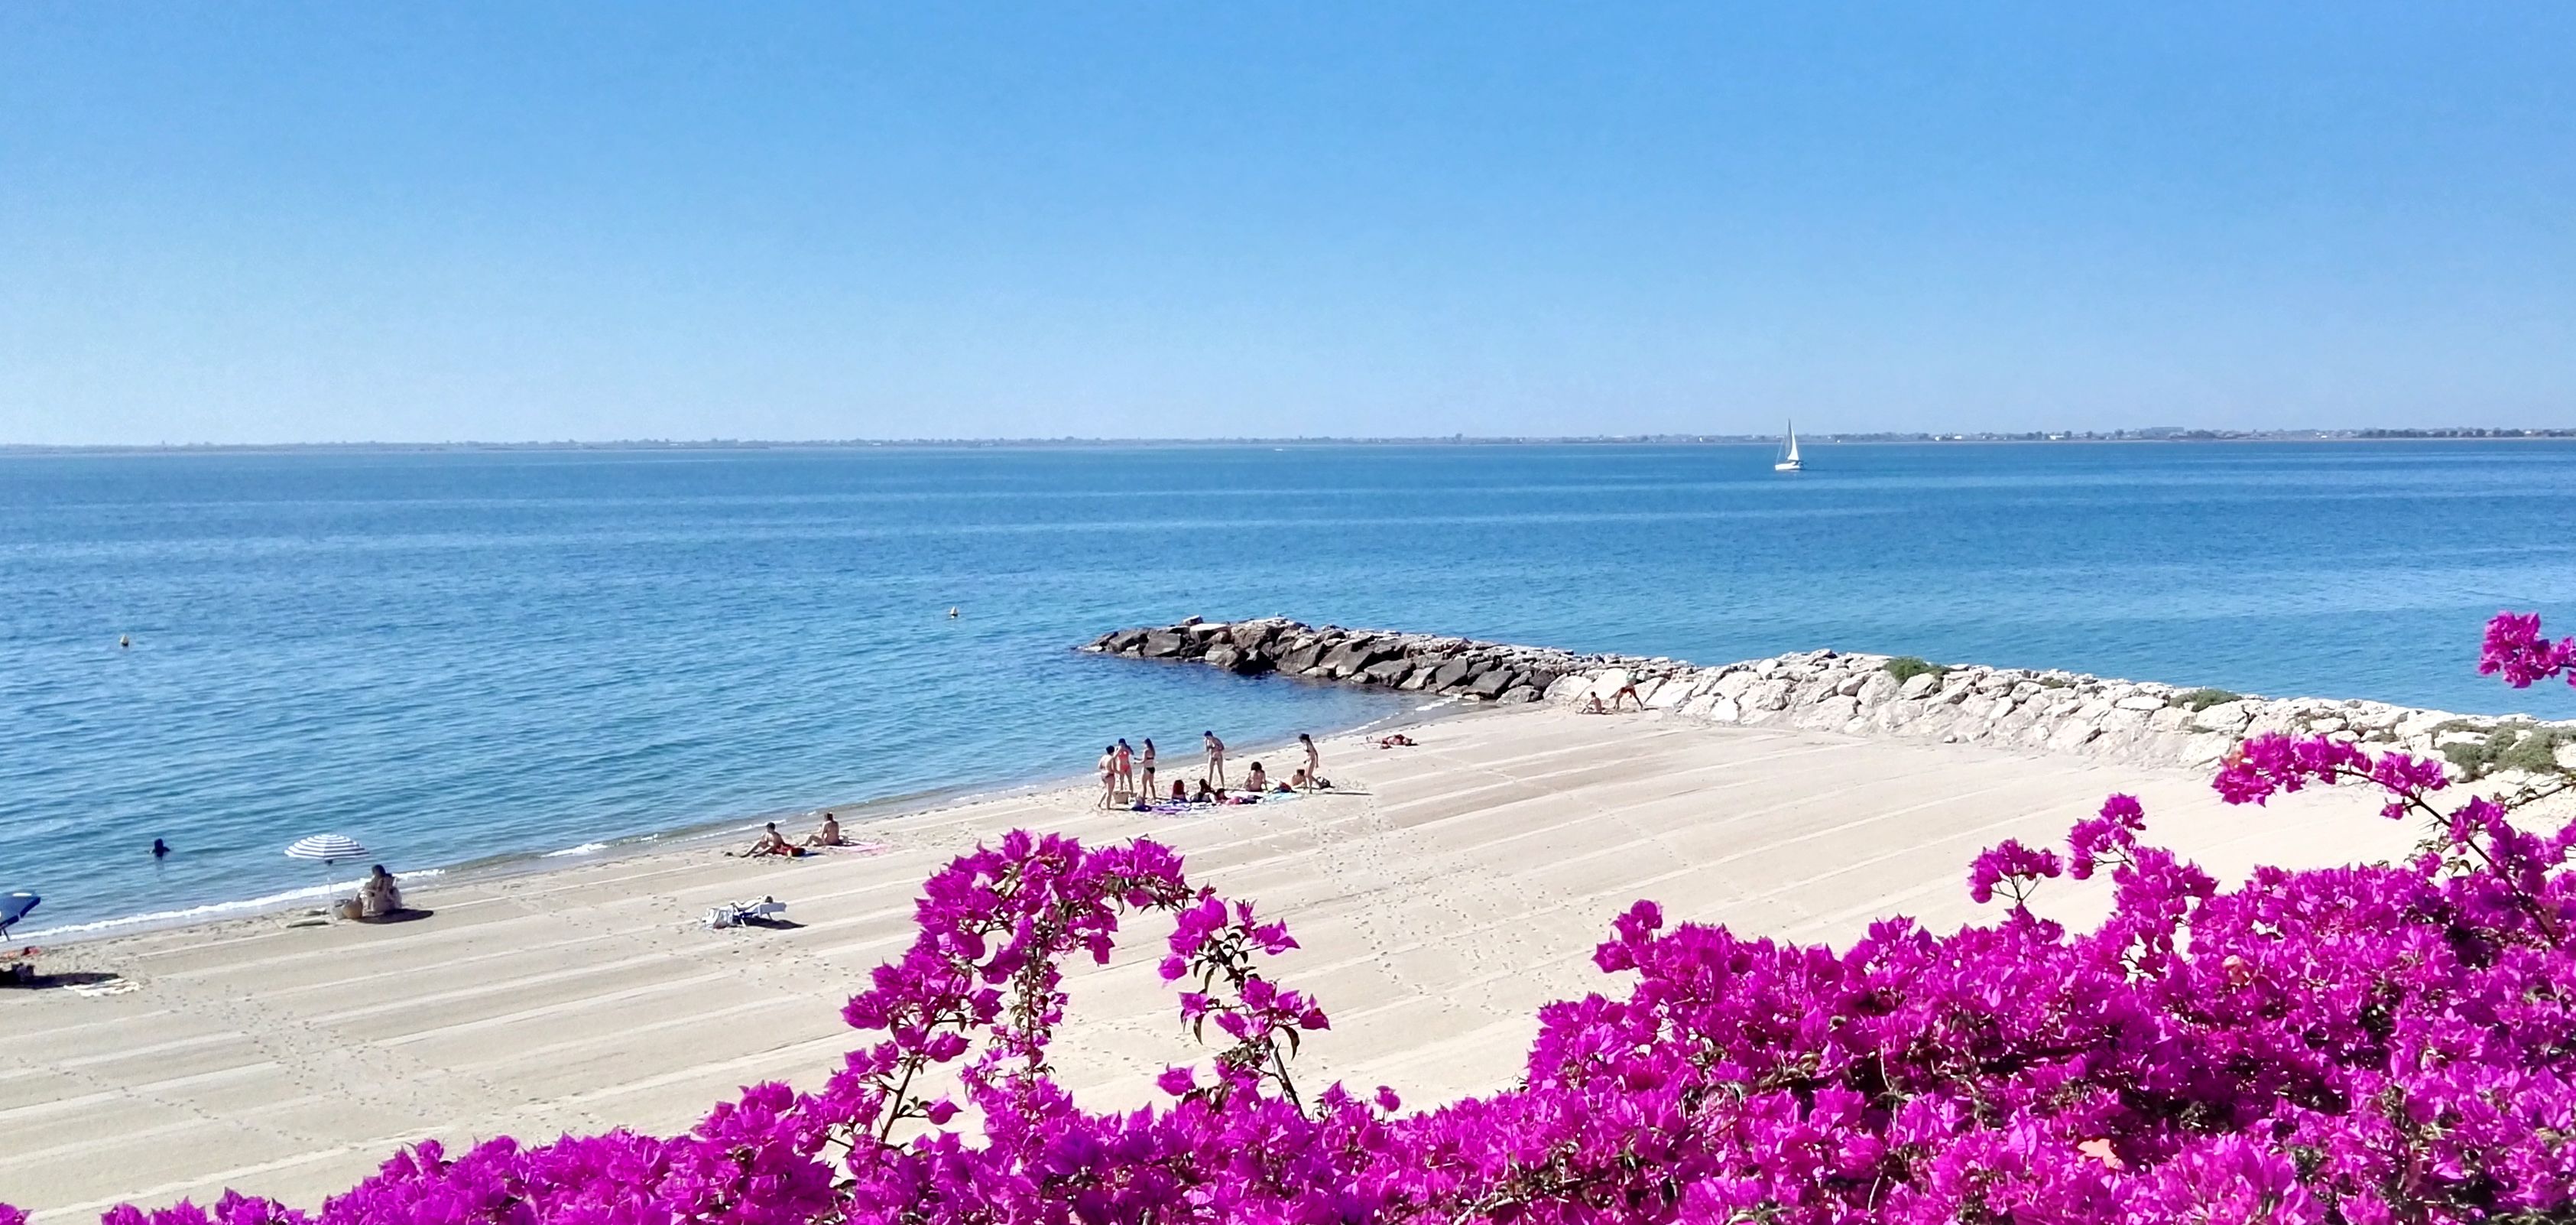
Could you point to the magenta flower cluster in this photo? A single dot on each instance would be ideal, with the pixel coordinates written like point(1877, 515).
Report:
point(2515, 651)
point(2372, 1045)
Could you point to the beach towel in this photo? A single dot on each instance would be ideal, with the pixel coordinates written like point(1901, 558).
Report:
point(1166, 808)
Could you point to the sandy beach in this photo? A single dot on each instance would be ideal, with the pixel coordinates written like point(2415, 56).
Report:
point(1442, 894)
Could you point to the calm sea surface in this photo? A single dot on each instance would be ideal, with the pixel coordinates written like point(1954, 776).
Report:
point(458, 656)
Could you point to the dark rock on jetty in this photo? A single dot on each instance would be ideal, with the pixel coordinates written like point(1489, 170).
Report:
point(1413, 663)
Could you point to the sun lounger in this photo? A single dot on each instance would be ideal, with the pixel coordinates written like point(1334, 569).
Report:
point(735, 914)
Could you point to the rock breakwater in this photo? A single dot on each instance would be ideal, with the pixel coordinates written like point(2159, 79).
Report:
point(2140, 722)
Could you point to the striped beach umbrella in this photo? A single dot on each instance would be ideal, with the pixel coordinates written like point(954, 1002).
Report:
point(328, 848)
point(14, 907)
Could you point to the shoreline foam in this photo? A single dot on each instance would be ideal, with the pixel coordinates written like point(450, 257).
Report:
point(854, 817)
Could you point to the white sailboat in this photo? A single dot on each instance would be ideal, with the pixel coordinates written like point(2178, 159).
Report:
point(1789, 459)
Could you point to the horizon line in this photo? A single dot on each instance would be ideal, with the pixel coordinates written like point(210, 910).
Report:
point(1872, 437)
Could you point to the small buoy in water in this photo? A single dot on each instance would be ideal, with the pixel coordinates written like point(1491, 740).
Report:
point(159, 848)
point(952, 612)
point(124, 641)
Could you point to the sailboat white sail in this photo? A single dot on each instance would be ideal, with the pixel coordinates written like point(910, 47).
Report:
point(1789, 460)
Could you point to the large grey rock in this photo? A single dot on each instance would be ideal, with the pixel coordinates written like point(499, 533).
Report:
point(1387, 672)
point(1164, 644)
point(1490, 683)
point(1356, 656)
point(1450, 674)
point(1303, 656)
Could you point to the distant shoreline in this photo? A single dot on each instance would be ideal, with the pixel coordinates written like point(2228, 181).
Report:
point(1074, 444)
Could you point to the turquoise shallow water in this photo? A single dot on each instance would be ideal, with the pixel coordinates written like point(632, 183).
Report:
point(457, 656)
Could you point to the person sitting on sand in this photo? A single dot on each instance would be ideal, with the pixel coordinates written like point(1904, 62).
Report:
point(774, 843)
point(1396, 741)
point(1255, 780)
point(1207, 794)
point(1180, 792)
point(829, 835)
point(378, 896)
point(1592, 706)
point(1302, 781)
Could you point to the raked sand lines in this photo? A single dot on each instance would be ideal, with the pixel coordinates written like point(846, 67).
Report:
point(1448, 891)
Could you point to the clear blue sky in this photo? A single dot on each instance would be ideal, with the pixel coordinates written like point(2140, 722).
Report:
point(517, 221)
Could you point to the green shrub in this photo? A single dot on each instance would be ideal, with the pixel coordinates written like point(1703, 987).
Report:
point(1907, 667)
point(2202, 699)
point(2537, 751)
point(2506, 747)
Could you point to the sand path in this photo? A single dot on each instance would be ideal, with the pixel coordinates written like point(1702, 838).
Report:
point(1448, 893)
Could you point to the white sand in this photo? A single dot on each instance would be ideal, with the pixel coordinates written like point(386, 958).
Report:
point(1459, 886)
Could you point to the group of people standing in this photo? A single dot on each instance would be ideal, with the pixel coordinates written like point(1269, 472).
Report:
point(1127, 775)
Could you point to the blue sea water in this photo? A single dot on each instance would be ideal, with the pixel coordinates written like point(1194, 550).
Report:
point(460, 655)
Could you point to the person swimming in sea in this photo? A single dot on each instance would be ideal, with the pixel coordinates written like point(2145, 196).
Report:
point(160, 849)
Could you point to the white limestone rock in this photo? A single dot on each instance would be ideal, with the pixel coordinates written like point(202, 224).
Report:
point(2230, 717)
point(2072, 735)
point(1877, 690)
